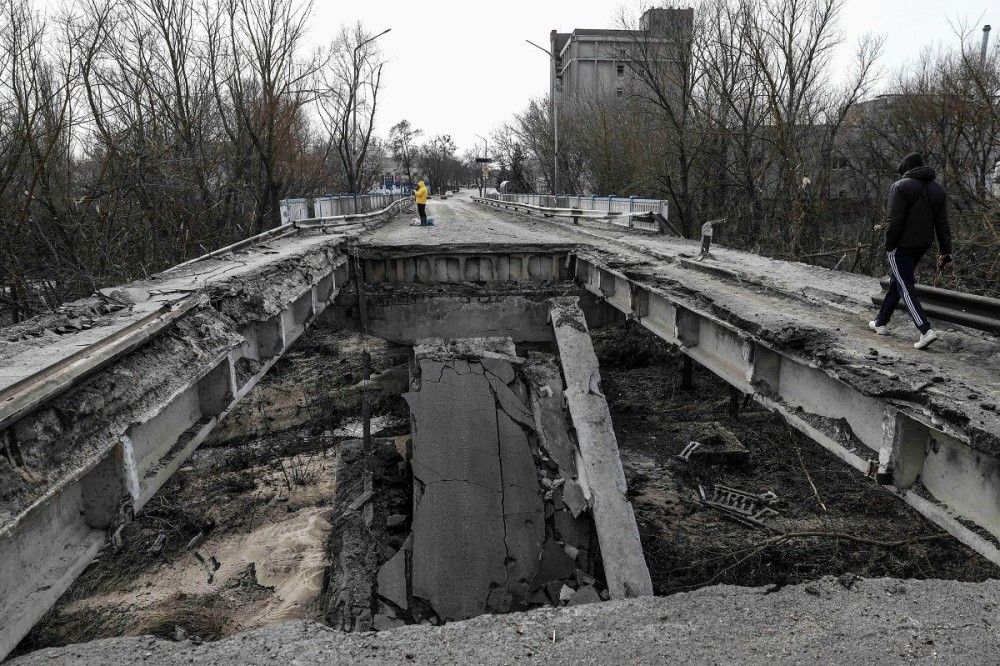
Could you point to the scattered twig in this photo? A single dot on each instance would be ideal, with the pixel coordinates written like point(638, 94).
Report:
point(805, 471)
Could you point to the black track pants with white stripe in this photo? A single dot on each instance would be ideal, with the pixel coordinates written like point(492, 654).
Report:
point(902, 264)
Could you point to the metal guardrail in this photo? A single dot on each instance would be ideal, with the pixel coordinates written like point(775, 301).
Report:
point(289, 228)
point(23, 397)
point(640, 220)
point(295, 210)
point(609, 204)
point(972, 310)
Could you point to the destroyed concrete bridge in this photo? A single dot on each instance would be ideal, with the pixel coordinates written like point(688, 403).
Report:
point(102, 401)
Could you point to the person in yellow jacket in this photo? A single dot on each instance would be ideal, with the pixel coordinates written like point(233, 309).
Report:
point(420, 195)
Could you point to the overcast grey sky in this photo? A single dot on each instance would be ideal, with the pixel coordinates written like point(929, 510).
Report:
point(462, 68)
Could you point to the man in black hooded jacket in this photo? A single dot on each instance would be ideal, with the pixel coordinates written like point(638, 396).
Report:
point(918, 213)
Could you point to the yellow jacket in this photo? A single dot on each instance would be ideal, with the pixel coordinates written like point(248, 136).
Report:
point(421, 194)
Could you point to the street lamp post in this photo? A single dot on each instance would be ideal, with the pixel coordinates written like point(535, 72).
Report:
point(486, 154)
point(554, 112)
point(354, 113)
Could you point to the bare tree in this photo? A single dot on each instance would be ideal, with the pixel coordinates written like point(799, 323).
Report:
point(402, 138)
point(352, 82)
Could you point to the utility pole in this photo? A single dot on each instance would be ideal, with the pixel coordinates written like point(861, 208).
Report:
point(554, 113)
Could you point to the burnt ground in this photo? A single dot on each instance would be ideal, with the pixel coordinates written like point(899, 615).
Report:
point(689, 545)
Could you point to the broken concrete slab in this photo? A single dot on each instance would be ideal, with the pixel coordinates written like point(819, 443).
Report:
point(547, 404)
point(478, 512)
point(482, 486)
point(617, 532)
point(393, 577)
point(523, 513)
point(587, 594)
point(570, 530)
point(717, 445)
point(574, 498)
point(554, 564)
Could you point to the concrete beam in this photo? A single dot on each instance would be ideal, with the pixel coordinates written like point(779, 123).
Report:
point(601, 466)
point(478, 265)
point(959, 484)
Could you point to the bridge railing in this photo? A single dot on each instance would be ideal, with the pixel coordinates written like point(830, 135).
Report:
point(294, 210)
point(610, 204)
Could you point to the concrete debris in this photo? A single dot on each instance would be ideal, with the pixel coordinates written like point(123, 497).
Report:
point(125, 295)
point(585, 595)
point(548, 409)
point(574, 498)
point(554, 564)
point(716, 446)
point(392, 577)
point(395, 520)
point(361, 500)
point(484, 459)
point(565, 593)
point(357, 549)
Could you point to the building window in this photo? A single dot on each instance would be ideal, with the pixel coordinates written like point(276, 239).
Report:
point(620, 92)
point(622, 53)
point(621, 69)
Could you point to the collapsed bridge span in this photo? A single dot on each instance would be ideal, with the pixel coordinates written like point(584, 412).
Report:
point(931, 419)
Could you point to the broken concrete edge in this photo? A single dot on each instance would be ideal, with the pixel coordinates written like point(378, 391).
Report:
point(24, 397)
point(761, 356)
point(370, 250)
point(164, 388)
point(467, 349)
point(621, 550)
point(933, 415)
point(963, 428)
point(810, 294)
point(133, 434)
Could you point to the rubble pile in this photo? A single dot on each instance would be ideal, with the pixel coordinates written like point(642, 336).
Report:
point(500, 520)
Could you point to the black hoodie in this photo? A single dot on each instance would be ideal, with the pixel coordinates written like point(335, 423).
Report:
point(917, 209)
